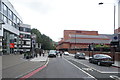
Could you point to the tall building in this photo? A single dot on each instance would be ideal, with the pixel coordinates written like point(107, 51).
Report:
point(10, 30)
point(25, 38)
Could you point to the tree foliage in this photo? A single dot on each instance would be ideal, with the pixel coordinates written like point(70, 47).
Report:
point(46, 42)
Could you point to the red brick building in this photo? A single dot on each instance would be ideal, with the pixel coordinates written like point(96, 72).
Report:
point(80, 40)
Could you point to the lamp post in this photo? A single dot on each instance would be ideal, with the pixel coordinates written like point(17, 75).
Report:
point(101, 3)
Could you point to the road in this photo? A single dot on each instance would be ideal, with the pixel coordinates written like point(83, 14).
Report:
point(60, 68)
point(68, 67)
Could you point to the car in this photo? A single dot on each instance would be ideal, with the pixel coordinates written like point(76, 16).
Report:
point(101, 59)
point(79, 55)
point(66, 53)
point(52, 53)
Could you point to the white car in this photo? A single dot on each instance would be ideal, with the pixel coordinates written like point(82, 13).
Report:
point(66, 53)
point(52, 53)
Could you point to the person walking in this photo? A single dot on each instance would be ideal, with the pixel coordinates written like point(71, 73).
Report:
point(40, 52)
point(61, 53)
point(43, 52)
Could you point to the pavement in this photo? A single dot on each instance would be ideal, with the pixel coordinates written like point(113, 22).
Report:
point(116, 64)
point(15, 66)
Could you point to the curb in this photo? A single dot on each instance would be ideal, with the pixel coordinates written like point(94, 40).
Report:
point(115, 66)
point(43, 65)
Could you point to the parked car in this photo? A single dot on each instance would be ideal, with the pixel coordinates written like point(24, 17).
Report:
point(52, 53)
point(79, 55)
point(66, 53)
point(101, 59)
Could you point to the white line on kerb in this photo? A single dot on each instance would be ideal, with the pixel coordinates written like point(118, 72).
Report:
point(80, 69)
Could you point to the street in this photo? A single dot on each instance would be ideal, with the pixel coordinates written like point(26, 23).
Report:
point(68, 67)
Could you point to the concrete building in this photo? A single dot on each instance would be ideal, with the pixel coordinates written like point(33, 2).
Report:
point(80, 40)
point(10, 31)
point(25, 37)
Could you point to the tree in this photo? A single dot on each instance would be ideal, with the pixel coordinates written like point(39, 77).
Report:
point(46, 42)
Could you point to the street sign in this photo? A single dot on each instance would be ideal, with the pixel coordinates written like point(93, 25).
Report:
point(115, 37)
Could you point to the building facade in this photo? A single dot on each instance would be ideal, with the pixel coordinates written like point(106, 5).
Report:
point(80, 40)
point(25, 38)
point(10, 30)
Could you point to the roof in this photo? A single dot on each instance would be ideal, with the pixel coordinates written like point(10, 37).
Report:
point(88, 41)
point(90, 36)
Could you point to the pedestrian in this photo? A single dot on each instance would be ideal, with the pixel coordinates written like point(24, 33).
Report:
point(40, 52)
point(43, 52)
point(61, 54)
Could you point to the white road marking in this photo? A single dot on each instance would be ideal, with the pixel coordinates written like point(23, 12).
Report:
point(94, 68)
point(80, 69)
point(87, 69)
point(115, 77)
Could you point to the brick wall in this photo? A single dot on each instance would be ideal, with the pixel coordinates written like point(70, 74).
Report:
point(78, 32)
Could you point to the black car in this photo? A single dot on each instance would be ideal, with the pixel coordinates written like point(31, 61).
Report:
point(101, 59)
point(79, 55)
point(52, 53)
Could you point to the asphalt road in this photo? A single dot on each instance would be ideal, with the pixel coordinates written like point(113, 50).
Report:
point(61, 68)
point(68, 67)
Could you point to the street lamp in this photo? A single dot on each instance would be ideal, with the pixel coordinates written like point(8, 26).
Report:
point(101, 3)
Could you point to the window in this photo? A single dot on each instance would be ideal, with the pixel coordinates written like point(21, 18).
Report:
point(14, 25)
point(5, 19)
point(5, 9)
point(21, 28)
point(18, 21)
point(10, 22)
point(10, 14)
point(14, 18)
point(27, 30)
point(24, 42)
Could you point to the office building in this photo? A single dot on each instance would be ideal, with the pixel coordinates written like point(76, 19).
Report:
point(25, 38)
point(10, 30)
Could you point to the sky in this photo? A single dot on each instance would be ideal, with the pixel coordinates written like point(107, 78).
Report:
point(52, 17)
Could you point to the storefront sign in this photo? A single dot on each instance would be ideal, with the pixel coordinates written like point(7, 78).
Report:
point(12, 45)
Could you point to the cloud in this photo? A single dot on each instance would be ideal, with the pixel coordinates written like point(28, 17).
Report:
point(51, 17)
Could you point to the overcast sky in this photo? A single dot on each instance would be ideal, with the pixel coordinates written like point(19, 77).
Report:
point(52, 17)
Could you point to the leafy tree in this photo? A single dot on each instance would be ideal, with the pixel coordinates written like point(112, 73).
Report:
point(46, 42)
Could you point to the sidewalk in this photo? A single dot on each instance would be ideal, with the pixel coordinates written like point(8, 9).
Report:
point(116, 64)
point(15, 66)
point(40, 58)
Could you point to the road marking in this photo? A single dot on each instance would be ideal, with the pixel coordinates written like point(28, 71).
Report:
point(115, 77)
point(80, 69)
point(34, 71)
point(87, 69)
point(94, 68)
